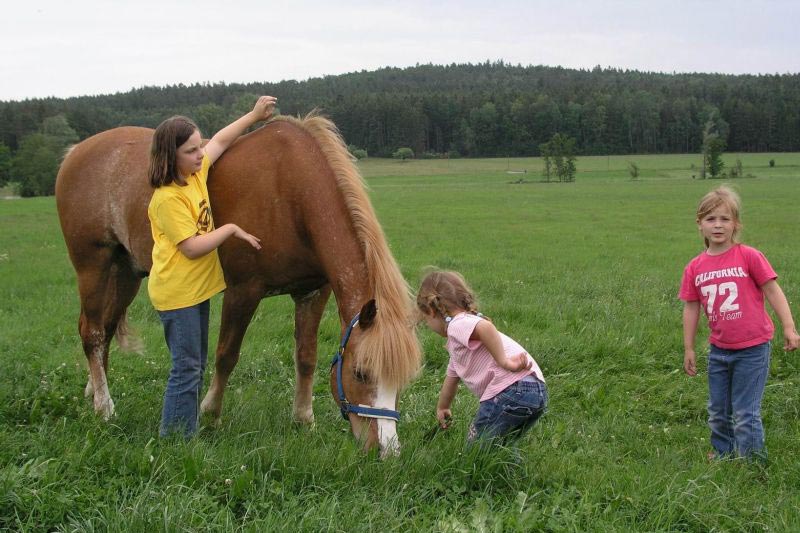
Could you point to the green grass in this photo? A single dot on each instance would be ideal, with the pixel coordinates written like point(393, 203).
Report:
point(651, 166)
point(585, 275)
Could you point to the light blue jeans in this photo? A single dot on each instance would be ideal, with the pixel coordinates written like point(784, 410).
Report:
point(736, 381)
point(186, 332)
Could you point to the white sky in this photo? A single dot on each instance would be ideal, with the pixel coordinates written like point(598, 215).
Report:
point(78, 47)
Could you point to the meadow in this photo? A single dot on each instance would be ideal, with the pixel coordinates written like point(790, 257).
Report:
point(584, 274)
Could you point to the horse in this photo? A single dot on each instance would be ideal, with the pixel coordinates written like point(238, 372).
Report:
point(293, 183)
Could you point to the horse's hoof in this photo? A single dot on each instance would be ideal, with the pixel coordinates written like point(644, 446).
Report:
point(210, 408)
point(209, 420)
point(392, 450)
point(105, 409)
point(307, 425)
point(305, 418)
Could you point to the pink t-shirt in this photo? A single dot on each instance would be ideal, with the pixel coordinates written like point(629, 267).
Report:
point(728, 286)
point(471, 362)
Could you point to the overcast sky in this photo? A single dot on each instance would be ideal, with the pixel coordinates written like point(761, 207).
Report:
point(78, 47)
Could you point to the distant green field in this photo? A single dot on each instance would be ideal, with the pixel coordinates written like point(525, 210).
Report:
point(652, 166)
point(585, 275)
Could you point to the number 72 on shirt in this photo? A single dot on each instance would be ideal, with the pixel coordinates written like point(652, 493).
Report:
point(728, 288)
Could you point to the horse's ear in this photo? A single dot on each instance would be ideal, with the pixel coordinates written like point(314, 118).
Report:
point(368, 313)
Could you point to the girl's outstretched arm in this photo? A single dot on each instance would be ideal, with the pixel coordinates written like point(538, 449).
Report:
point(778, 301)
point(691, 315)
point(224, 137)
point(199, 245)
point(490, 337)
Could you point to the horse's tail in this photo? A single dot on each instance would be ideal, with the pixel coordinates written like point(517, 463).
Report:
point(127, 338)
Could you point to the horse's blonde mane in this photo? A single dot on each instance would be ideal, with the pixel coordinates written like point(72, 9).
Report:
point(389, 348)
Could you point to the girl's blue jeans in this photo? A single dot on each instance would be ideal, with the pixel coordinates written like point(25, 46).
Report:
point(736, 381)
point(511, 413)
point(186, 332)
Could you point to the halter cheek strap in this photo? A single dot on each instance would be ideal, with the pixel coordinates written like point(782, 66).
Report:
point(345, 406)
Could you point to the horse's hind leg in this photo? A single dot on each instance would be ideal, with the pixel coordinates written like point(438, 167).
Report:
point(106, 289)
point(307, 314)
point(238, 306)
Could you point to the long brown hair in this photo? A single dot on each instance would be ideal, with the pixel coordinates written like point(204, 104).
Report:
point(444, 291)
point(721, 197)
point(169, 135)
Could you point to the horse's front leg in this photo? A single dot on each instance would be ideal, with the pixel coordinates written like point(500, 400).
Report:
point(307, 314)
point(238, 306)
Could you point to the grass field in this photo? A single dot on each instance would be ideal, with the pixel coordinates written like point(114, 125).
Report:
point(585, 275)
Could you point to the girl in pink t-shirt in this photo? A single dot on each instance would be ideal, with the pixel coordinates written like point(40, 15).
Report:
point(504, 377)
point(729, 281)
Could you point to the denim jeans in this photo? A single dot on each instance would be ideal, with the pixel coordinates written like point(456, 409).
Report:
point(186, 332)
point(736, 381)
point(507, 416)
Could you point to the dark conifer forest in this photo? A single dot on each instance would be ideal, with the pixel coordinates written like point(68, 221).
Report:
point(491, 109)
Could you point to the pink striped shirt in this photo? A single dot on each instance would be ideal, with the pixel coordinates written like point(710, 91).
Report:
point(473, 364)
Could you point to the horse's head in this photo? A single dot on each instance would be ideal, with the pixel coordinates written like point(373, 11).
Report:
point(369, 384)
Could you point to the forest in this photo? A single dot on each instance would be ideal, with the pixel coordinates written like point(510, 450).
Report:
point(492, 109)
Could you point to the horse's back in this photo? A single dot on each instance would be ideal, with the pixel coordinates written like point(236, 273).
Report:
point(102, 194)
point(276, 183)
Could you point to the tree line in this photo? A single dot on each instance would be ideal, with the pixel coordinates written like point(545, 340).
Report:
point(491, 109)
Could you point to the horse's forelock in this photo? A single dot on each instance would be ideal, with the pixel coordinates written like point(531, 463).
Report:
point(389, 349)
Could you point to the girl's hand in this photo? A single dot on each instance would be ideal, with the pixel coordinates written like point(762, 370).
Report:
point(224, 137)
point(254, 241)
point(519, 362)
point(791, 339)
point(690, 363)
point(444, 416)
point(264, 107)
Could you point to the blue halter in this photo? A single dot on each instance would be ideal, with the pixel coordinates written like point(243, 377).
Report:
point(345, 406)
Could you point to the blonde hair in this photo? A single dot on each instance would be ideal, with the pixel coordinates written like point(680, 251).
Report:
point(445, 291)
point(722, 196)
point(389, 348)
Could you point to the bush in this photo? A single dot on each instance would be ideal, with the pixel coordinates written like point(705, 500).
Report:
point(35, 166)
point(633, 170)
point(5, 164)
point(355, 151)
point(558, 156)
point(736, 171)
point(403, 154)
point(771, 162)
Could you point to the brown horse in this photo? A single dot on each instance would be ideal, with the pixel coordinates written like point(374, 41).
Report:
point(293, 184)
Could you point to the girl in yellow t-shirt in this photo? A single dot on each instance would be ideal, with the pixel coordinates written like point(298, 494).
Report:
point(186, 270)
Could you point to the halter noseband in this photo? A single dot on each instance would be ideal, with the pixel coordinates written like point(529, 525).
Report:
point(345, 406)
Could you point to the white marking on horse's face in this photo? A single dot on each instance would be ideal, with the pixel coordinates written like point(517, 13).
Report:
point(386, 398)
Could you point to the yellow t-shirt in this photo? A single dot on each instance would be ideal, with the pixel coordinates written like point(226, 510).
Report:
point(177, 213)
